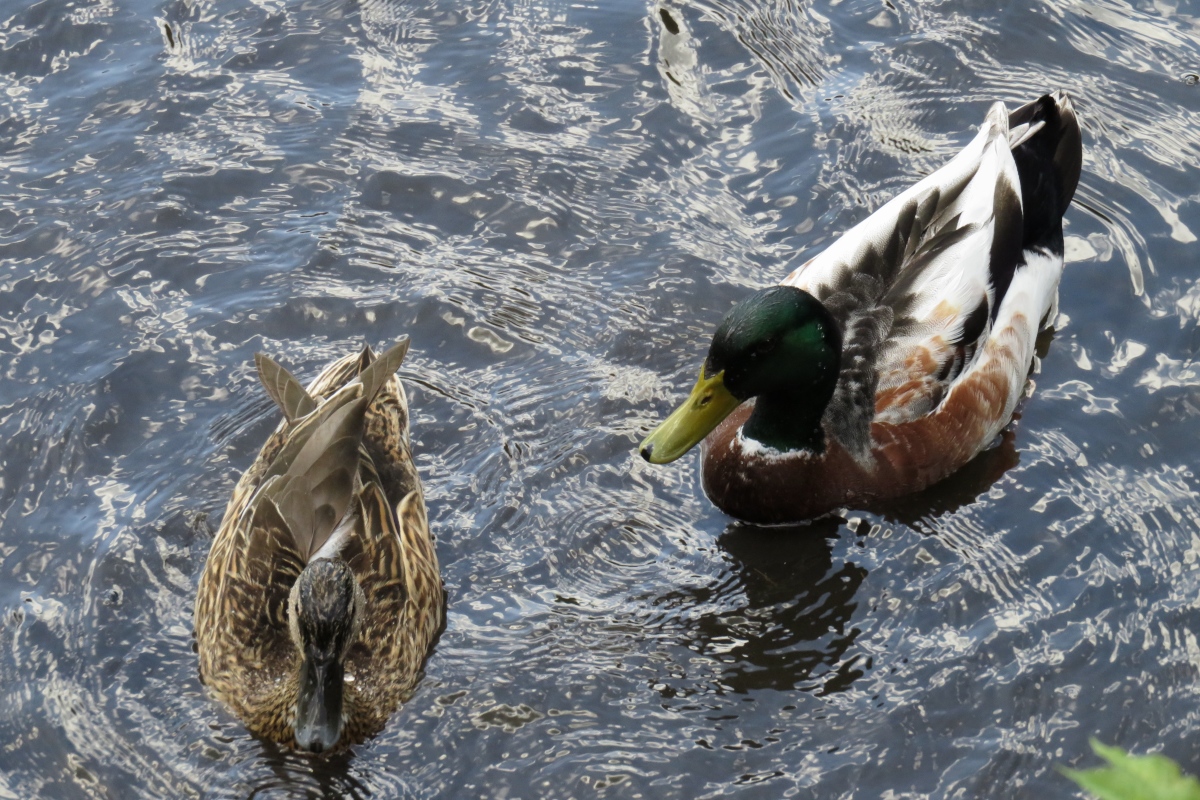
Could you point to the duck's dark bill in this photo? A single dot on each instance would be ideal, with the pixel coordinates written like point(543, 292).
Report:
point(319, 706)
point(709, 403)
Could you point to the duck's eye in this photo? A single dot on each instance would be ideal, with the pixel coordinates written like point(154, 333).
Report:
point(760, 349)
point(705, 400)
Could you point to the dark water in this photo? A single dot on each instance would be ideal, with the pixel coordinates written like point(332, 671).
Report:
point(558, 200)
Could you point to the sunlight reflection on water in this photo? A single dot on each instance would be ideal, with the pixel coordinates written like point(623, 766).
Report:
point(558, 201)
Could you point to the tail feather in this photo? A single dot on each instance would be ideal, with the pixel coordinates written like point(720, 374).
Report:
point(382, 368)
point(1048, 152)
point(1068, 156)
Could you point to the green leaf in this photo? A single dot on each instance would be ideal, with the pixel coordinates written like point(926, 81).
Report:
point(1127, 777)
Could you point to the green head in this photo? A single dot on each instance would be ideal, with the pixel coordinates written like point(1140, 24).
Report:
point(779, 345)
point(324, 610)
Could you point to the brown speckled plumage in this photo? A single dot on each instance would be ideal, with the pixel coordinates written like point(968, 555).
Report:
point(247, 657)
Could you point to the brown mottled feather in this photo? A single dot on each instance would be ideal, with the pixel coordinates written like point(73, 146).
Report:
point(247, 657)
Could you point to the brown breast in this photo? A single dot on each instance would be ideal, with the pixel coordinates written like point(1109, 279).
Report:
point(768, 487)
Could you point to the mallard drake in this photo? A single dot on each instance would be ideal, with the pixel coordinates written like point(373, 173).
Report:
point(321, 595)
point(895, 356)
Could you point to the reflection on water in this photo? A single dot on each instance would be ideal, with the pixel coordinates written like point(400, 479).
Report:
point(558, 201)
point(794, 629)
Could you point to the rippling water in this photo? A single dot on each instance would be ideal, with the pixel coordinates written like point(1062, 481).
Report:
point(558, 200)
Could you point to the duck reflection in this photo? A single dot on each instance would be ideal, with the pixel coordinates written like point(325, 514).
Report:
point(791, 628)
point(802, 604)
point(786, 607)
point(294, 775)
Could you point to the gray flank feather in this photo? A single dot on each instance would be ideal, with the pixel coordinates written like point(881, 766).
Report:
point(871, 299)
point(851, 410)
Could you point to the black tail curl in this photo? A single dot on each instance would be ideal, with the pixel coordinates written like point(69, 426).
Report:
point(1048, 163)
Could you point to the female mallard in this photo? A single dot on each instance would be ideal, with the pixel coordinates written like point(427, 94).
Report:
point(895, 356)
point(321, 595)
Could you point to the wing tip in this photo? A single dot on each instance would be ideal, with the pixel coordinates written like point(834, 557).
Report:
point(288, 393)
point(376, 375)
point(997, 120)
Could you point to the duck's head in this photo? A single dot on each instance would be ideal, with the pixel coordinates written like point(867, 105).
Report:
point(324, 613)
point(779, 345)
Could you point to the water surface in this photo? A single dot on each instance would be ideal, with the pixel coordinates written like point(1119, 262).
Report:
point(558, 201)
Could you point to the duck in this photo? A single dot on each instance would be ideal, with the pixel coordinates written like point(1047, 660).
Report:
point(892, 358)
point(321, 595)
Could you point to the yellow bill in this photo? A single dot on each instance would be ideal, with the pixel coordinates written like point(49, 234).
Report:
point(709, 403)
